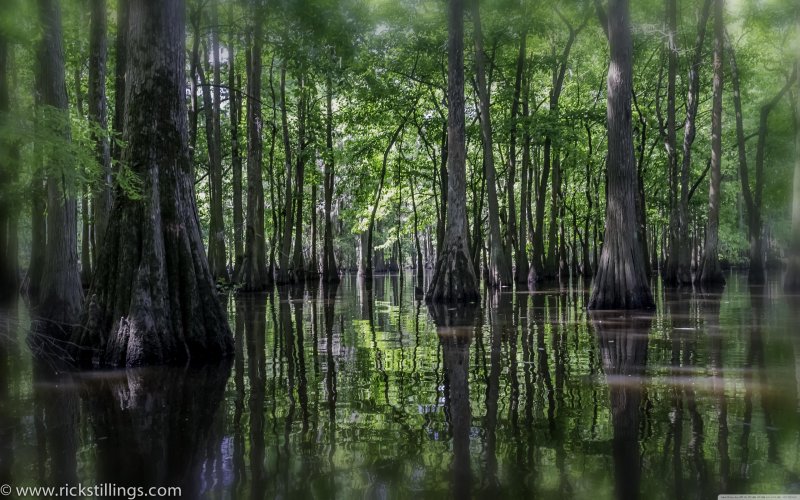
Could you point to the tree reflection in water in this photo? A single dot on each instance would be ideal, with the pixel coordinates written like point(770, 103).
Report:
point(623, 340)
point(456, 328)
point(152, 433)
point(359, 391)
point(8, 320)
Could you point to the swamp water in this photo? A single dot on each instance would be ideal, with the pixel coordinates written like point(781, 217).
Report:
point(358, 393)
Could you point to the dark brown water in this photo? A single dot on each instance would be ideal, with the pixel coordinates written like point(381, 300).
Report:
point(364, 393)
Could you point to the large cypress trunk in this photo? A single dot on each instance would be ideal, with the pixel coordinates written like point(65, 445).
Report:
point(621, 282)
point(153, 300)
point(454, 279)
point(711, 271)
point(60, 294)
point(98, 113)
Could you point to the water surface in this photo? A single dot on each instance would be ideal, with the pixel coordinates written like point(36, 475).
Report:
point(365, 393)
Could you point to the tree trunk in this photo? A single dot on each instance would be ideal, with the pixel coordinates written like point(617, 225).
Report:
point(678, 270)
point(298, 265)
point(522, 265)
point(537, 271)
point(792, 279)
point(275, 202)
point(330, 272)
point(216, 230)
point(38, 196)
point(98, 114)
point(586, 270)
point(710, 272)
point(544, 266)
point(312, 269)
point(216, 252)
point(235, 108)
point(254, 276)
point(499, 266)
point(9, 168)
point(454, 279)
point(120, 45)
point(418, 271)
point(441, 225)
point(153, 300)
point(366, 270)
point(551, 259)
point(60, 292)
point(684, 271)
point(752, 197)
point(621, 282)
point(284, 274)
point(671, 142)
point(518, 246)
point(85, 209)
point(194, 66)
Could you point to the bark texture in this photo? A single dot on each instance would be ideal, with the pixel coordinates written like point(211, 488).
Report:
point(153, 300)
point(60, 293)
point(98, 113)
point(621, 281)
point(454, 278)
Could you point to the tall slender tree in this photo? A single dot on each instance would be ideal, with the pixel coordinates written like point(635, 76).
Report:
point(253, 275)
point(330, 272)
point(153, 299)
point(621, 282)
point(60, 292)
point(298, 262)
point(284, 274)
point(792, 278)
point(753, 196)
point(454, 278)
point(711, 271)
point(235, 110)
point(216, 229)
point(499, 260)
point(9, 164)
